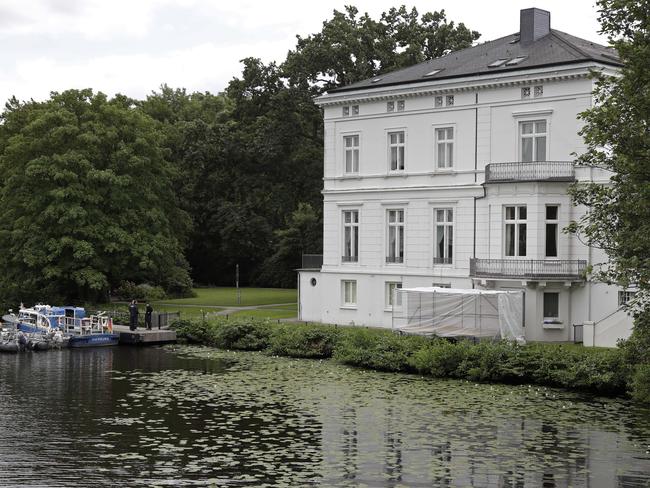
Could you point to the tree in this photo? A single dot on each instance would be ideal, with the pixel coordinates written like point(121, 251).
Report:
point(302, 235)
point(86, 200)
point(617, 136)
point(351, 48)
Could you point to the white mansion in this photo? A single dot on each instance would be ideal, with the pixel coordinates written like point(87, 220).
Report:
point(454, 173)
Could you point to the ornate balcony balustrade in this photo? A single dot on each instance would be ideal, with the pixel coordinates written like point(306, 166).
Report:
point(533, 171)
point(531, 269)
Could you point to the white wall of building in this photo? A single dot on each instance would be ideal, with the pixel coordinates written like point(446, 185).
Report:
point(486, 125)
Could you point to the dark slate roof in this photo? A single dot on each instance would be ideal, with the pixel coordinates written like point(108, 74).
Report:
point(556, 48)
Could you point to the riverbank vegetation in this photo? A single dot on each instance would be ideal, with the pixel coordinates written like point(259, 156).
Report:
point(596, 370)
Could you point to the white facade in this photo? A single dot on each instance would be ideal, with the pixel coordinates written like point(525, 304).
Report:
point(408, 200)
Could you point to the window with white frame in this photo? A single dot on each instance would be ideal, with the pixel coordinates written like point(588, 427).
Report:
point(396, 147)
point(401, 104)
point(515, 230)
point(551, 306)
point(390, 106)
point(552, 228)
point(438, 101)
point(395, 234)
point(348, 293)
point(445, 147)
point(624, 297)
point(450, 100)
point(539, 91)
point(345, 111)
point(351, 144)
point(350, 236)
point(444, 236)
point(525, 92)
point(441, 285)
point(355, 109)
point(532, 136)
point(393, 299)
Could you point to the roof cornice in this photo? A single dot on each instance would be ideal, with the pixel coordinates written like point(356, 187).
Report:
point(469, 83)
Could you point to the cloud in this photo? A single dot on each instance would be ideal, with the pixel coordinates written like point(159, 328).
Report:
point(205, 67)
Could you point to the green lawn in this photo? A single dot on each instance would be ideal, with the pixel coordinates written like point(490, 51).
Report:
point(225, 297)
point(266, 313)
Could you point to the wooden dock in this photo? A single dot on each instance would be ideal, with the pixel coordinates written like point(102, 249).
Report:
point(144, 337)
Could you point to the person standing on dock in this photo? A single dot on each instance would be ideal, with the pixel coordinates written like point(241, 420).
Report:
point(133, 315)
point(147, 316)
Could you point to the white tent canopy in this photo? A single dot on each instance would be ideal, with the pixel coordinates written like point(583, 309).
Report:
point(455, 312)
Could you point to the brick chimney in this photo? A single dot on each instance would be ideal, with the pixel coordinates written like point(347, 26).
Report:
point(534, 23)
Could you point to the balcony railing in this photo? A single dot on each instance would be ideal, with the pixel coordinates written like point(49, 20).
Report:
point(312, 261)
point(349, 259)
point(532, 269)
point(533, 171)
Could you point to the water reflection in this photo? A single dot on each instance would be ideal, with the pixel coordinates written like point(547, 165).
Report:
point(183, 416)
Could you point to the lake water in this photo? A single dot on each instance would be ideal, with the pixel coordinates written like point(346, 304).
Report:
point(191, 416)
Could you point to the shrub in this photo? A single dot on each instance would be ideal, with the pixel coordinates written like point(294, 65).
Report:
point(130, 291)
point(303, 341)
point(245, 333)
point(377, 349)
point(439, 358)
point(640, 383)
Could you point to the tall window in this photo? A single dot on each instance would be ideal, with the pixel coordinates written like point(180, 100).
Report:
point(395, 246)
point(552, 224)
point(551, 306)
point(533, 140)
point(351, 144)
point(515, 236)
point(396, 150)
point(393, 298)
point(444, 238)
point(349, 293)
point(350, 236)
point(445, 147)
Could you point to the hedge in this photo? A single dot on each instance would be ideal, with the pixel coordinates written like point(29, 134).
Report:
point(596, 370)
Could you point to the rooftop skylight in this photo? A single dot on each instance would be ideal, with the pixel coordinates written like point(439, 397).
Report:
point(434, 72)
point(497, 63)
point(516, 60)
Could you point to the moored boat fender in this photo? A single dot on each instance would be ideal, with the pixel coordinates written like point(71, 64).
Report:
point(12, 347)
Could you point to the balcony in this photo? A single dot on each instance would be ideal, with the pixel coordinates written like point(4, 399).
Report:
point(533, 171)
point(528, 269)
point(312, 261)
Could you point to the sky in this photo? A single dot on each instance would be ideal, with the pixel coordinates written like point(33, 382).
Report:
point(134, 46)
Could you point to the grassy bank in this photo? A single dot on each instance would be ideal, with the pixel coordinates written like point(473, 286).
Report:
point(224, 297)
point(596, 370)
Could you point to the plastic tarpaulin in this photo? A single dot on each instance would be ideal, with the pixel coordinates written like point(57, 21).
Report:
point(452, 312)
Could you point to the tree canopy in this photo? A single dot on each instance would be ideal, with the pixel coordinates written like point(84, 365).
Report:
point(95, 191)
point(86, 199)
point(351, 48)
point(617, 136)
